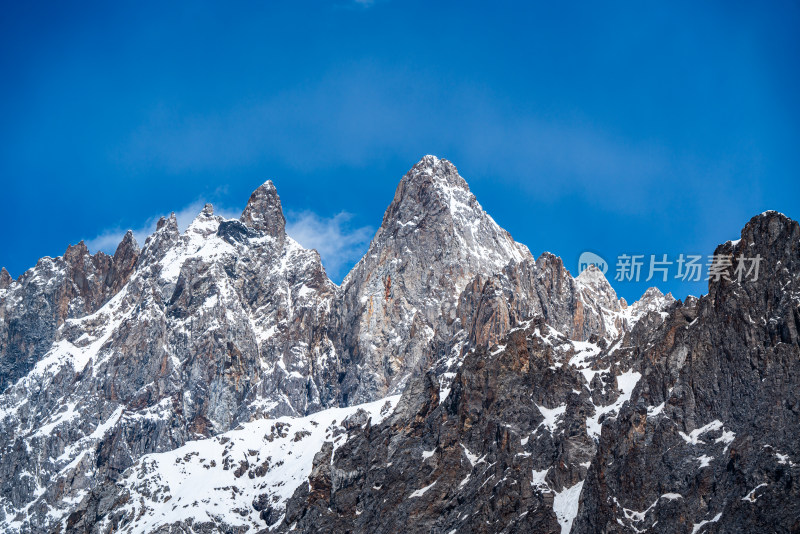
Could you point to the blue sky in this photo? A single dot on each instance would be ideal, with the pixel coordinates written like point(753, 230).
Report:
point(638, 128)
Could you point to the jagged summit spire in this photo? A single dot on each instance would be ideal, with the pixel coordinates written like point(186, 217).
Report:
point(433, 171)
point(769, 243)
point(434, 239)
point(74, 251)
point(171, 223)
point(766, 229)
point(432, 199)
point(128, 241)
point(125, 258)
point(654, 292)
point(597, 288)
point(264, 212)
point(5, 278)
point(434, 188)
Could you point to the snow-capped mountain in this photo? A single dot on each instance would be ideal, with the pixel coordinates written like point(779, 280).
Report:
point(434, 238)
point(207, 321)
point(217, 380)
point(56, 289)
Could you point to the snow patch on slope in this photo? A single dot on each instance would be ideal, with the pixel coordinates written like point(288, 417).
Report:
point(565, 506)
point(216, 479)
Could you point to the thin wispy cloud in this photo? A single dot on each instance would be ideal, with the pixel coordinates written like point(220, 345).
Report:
point(366, 108)
point(107, 240)
point(355, 4)
point(339, 243)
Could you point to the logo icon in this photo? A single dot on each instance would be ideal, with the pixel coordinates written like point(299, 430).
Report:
point(590, 258)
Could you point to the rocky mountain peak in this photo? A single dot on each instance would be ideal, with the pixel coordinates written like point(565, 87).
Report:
point(205, 224)
point(707, 423)
point(772, 235)
point(159, 242)
point(433, 204)
point(652, 300)
point(169, 223)
point(440, 172)
point(5, 278)
point(49, 295)
point(593, 281)
point(75, 253)
point(758, 272)
point(124, 261)
point(771, 240)
point(264, 212)
point(653, 292)
point(127, 245)
point(431, 189)
point(435, 238)
point(548, 258)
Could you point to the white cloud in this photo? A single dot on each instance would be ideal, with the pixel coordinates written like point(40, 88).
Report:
point(108, 239)
point(339, 245)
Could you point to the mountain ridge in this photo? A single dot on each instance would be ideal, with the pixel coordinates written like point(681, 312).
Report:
point(232, 322)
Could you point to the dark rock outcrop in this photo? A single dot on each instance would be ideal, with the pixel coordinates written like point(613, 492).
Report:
point(710, 437)
point(506, 450)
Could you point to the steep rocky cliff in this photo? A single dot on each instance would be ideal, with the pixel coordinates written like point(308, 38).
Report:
point(709, 439)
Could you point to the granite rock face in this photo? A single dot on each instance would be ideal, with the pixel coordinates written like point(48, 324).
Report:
point(434, 238)
point(440, 277)
point(217, 381)
point(579, 307)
